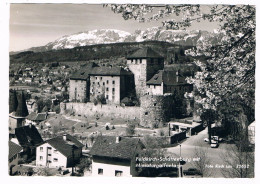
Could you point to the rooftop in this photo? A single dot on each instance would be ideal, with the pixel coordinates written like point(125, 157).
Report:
point(65, 146)
point(146, 52)
point(13, 149)
point(167, 77)
point(83, 73)
point(37, 117)
point(28, 136)
point(109, 71)
point(106, 146)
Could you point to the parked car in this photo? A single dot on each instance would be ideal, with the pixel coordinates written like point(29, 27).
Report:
point(192, 171)
point(216, 138)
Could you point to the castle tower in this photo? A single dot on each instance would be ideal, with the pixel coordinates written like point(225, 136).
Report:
point(144, 63)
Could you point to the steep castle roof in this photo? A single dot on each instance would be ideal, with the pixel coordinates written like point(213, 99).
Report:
point(169, 78)
point(65, 146)
point(13, 103)
point(21, 110)
point(109, 71)
point(106, 146)
point(146, 52)
point(84, 72)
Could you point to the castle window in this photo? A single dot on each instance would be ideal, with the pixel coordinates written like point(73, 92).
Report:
point(140, 61)
point(93, 82)
point(41, 149)
point(113, 89)
point(118, 173)
point(107, 81)
point(101, 78)
point(113, 82)
point(41, 158)
point(146, 113)
point(103, 83)
point(107, 89)
point(100, 171)
point(96, 78)
point(107, 97)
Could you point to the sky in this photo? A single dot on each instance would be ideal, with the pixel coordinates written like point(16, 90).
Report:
point(38, 24)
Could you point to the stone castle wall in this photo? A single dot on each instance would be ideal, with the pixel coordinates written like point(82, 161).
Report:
point(156, 110)
point(89, 109)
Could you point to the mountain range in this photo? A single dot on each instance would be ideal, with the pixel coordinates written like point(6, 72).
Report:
point(106, 36)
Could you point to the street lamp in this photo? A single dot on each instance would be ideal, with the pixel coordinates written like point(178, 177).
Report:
point(180, 167)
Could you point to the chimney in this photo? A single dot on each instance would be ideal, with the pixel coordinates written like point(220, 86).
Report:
point(64, 137)
point(118, 138)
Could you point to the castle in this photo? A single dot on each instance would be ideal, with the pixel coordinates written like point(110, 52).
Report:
point(145, 79)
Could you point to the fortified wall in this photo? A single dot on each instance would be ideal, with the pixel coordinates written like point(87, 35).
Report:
point(89, 109)
point(156, 110)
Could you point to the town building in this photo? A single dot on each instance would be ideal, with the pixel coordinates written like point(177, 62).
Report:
point(13, 157)
point(35, 118)
point(115, 156)
point(93, 82)
point(62, 151)
point(29, 138)
point(111, 83)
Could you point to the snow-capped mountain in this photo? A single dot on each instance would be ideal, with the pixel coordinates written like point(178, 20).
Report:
point(88, 38)
point(105, 36)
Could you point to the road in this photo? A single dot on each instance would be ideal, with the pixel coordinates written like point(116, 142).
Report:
point(197, 141)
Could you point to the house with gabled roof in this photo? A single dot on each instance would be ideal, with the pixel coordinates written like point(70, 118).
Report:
point(36, 118)
point(13, 157)
point(62, 151)
point(115, 156)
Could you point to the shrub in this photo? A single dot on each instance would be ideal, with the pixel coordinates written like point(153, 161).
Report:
point(130, 129)
point(107, 127)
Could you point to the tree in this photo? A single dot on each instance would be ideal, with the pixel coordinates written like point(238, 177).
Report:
point(202, 153)
point(240, 158)
point(130, 129)
point(84, 163)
